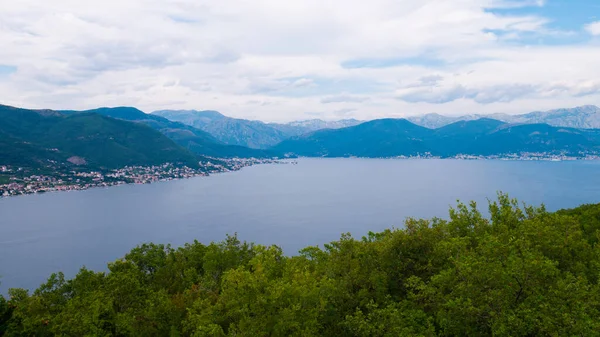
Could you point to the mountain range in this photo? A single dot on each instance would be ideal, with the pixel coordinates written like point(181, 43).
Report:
point(248, 133)
point(400, 137)
point(115, 137)
point(106, 138)
point(319, 124)
point(259, 135)
point(583, 117)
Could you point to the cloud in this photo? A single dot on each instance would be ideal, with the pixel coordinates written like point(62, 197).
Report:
point(517, 3)
point(496, 93)
point(313, 113)
point(378, 57)
point(344, 99)
point(303, 82)
point(500, 93)
point(281, 86)
point(430, 80)
point(260, 103)
point(426, 81)
point(593, 28)
point(576, 89)
point(586, 89)
point(432, 95)
point(484, 95)
point(421, 60)
point(343, 112)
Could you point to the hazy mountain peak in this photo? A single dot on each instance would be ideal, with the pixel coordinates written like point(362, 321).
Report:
point(317, 124)
point(189, 113)
point(209, 114)
point(583, 117)
point(250, 133)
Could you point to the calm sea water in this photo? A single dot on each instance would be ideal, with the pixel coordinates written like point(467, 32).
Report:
point(289, 205)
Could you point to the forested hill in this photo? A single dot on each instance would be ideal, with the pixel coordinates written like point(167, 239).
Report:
point(522, 272)
point(192, 138)
point(39, 138)
point(399, 137)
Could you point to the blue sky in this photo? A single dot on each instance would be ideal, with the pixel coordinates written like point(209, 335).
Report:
point(563, 16)
point(568, 15)
point(287, 60)
point(6, 70)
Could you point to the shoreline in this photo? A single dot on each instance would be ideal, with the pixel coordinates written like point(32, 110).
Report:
point(233, 166)
point(135, 175)
point(473, 158)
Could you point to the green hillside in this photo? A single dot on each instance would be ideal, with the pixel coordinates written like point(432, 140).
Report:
point(101, 141)
point(23, 154)
point(522, 271)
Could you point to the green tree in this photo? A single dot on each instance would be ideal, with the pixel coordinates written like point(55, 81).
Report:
point(5, 315)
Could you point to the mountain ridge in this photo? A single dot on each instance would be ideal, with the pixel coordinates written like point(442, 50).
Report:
point(250, 133)
point(581, 117)
point(400, 137)
point(387, 137)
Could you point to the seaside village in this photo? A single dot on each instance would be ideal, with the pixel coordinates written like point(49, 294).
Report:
point(17, 180)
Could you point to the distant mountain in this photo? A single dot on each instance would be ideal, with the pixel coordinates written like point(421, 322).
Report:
point(192, 138)
point(513, 138)
point(400, 137)
point(433, 120)
point(463, 136)
point(249, 133)
point(467, 129)
point(41, 137)
point(231, 131)
point(584, 117)
point(378, 138)
point(319, 124)
point(194, 118)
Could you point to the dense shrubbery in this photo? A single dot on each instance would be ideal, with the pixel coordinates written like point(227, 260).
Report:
point(522, 272)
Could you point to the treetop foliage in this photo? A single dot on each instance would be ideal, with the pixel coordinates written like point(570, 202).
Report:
point(522, 271)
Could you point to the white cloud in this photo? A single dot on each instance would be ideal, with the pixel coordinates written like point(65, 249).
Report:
point(235, 55)
point(432, 95)
point(303, 82)
point(593, 28)
point(517, 3)
point(344, 98)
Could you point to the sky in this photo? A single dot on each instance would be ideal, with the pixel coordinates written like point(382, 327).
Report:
point(277, 60)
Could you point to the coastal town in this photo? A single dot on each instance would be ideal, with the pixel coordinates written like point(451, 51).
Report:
point(532, 156)
point(523, 156)
point(18, 180)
